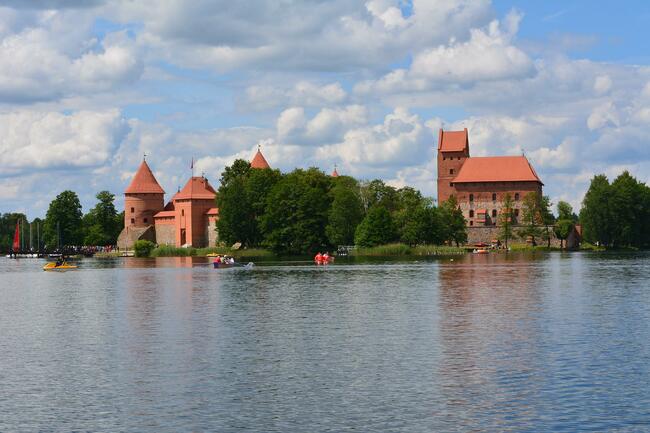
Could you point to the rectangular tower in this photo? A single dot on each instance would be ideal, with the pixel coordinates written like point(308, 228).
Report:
point(453, 150)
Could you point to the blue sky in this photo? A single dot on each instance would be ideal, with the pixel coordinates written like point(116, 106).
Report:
point(86, 88)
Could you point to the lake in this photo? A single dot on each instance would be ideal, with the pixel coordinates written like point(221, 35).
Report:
point(544, 342)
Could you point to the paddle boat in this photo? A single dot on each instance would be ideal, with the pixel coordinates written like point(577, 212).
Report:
point(65, 266)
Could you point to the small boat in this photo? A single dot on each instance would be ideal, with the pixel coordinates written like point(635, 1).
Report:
point(481, 251)
point(51, 266)
point(219, 265)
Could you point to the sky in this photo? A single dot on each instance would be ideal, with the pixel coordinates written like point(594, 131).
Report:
point(87, 88)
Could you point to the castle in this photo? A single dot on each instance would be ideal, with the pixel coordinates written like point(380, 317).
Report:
point(188, 219)
point(481, 183)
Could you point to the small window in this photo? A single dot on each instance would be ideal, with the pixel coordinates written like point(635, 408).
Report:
point(145, 220)
point(459, 158)
point(516, 212)
point(517, 196)
point(182, 212)
point(451, 171)
point(471, 223)
point(444, 158)
point(471, 197)
point(494, 197)
point(494, 213)
point(132, 220)
point(132, 210)
point(451, 184)
point(471, 214)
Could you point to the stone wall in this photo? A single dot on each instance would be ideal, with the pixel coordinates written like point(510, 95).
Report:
point(212, 235)
point(129, 235)
point(486, 234)
point(165, 234)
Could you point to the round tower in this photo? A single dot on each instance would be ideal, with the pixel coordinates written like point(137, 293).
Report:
point(143, 198)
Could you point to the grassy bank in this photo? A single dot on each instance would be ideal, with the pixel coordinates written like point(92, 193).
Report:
point(406, 250)
point(169, 251)
point(528, 247)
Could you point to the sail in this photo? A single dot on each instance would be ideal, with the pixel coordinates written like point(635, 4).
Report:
point(16, 245)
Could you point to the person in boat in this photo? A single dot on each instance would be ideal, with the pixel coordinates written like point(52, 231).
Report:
point(59, 261)
point(326, 257)
point(217, 259)
point(318, 258)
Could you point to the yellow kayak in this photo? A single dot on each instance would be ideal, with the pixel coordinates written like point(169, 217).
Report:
point(51, 266)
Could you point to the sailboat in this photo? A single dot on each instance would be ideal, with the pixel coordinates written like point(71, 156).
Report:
point(15, 247)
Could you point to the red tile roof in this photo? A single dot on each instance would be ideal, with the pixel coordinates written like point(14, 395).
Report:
point(165, 214)
point(497, 169)
point(197, 188)
point(259, 161)
point(144, 182)
point(453, 141)
point(213, 211)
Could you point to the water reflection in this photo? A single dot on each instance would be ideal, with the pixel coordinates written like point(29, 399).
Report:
point(550, 342)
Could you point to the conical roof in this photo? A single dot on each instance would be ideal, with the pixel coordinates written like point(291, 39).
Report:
point(335, 173)
point(259, 161)
point(144, 182)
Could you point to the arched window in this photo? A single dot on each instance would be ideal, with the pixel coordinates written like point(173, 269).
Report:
point(494, 196)
point(471, 197)
point(471, 213)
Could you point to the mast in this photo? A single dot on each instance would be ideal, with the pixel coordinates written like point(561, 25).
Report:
point(30, 237)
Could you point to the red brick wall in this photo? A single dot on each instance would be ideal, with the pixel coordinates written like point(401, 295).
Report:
point(448, 161)
point(482, 198)
point(141, 208)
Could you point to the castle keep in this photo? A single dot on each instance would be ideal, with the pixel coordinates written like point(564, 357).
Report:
point(481, 183)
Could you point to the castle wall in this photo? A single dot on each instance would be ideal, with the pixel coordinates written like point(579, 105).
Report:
point(211, 228)
point(139, 208)
point(475, 196)
point(449, 165)
point(165, 231)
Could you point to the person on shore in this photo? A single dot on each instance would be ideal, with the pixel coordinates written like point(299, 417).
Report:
point(326, 257)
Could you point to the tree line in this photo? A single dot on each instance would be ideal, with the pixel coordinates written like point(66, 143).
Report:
point(65, 224)
point(616, 214)
point(306, 210)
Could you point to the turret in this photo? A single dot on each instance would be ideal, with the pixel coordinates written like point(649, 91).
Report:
point(259, 161)
point(143, 198)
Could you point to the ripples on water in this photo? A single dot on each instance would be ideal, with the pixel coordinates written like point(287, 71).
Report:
point(552, 342)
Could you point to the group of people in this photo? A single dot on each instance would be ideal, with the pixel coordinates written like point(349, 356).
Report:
point(322, 259)
point(224, 260)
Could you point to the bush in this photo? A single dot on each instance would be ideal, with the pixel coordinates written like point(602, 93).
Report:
point(170, 251)
point(143, 248)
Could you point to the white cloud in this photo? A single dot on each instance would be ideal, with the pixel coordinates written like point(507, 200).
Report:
point(603, 115)
point(35, 140)
point(602, 84)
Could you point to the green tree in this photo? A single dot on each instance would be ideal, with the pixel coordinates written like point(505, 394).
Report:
point(143, 248)
point(377, 193)
point(101, 225)
point(236, 221)
point(345, 213)
point(377, 228)
point(628, 215)
point(547, 219)
point(63, 224)
point(565, 222)
point(453, 221)
point(297, 213)
point(596, 212)
point(506, 219)
point(531, 219)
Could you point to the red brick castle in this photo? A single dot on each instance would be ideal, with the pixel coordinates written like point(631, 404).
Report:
point(188, 219)
point(480, 183)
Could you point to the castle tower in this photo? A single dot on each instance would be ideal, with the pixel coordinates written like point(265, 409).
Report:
point(259, 161)
point(193, 206)
point(453, 151)
point(143, 198)
point(335, 173)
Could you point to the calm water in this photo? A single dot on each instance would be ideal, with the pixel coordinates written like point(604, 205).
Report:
point(551, 342)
